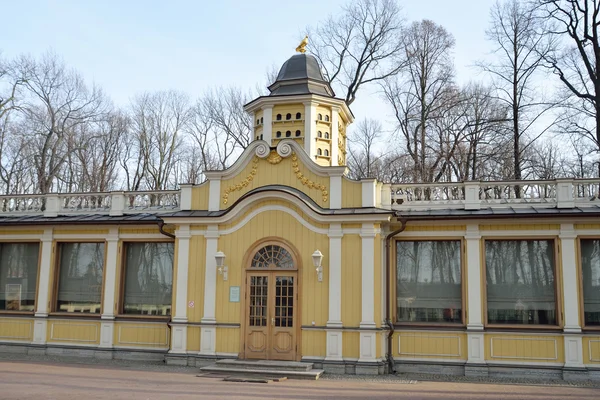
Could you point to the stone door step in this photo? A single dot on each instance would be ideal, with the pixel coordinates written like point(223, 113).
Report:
point(254, 379)
point(313, 374)
point(266, 365)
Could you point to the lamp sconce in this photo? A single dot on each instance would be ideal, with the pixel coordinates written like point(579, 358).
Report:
point(221, 268)
point(317, 259)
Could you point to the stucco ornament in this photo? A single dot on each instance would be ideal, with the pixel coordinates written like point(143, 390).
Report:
point(284, 149)
point(262, 150)
point(274, 158)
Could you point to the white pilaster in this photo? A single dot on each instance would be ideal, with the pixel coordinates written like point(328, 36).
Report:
point(572, 329)
point(107, 328)
point(334, 346)
point(178, 339)
point(267, 131)
point(310, 129)
point(40, 324)
point(214, 194)
point(335, 151)
point(110, 274)
point(368, 339)
point(334, 337)
point(475, 336)
point(210, 281)
point(208, 340)
point(183, 236)
point(335, 192)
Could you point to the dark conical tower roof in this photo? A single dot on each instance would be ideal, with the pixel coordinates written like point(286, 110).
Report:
point(300, 74)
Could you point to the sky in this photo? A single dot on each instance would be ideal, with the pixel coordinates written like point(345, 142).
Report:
point(128, 47)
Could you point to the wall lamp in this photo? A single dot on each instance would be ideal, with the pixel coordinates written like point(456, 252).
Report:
point(317, 259)
point(221, 268)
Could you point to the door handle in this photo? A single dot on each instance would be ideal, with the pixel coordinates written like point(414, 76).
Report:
point(272, 321)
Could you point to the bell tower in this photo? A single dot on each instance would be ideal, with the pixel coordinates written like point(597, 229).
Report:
point(302, 106)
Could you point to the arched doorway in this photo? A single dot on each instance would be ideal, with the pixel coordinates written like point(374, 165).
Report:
point(271, 302)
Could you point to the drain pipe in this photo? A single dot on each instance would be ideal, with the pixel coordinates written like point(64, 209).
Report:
point(161, 225)
point(388, 309)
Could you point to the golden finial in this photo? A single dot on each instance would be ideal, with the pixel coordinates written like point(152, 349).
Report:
point(302, 46)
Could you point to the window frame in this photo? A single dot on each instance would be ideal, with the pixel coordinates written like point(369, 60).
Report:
point(37, 279)
point(394, 280)
point(122, 268)
point(557, 283)
point(56, 276)
point(581, 299)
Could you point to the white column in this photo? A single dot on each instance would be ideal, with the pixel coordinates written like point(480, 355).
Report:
point(475, 335)
point(179, 320)
point(335, 151)
point(41, 323)
point(310, 129)
point(572, 329)
point(334, 337)
point(368, 338)
point(208, 342)
point(268, 124)
point(110, 278)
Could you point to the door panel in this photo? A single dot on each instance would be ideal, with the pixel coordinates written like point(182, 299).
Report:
point(271, 316)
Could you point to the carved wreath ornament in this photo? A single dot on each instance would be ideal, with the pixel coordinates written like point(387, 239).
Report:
point(273, 157)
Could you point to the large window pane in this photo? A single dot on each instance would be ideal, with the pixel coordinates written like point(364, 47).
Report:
point(148, 278)
point(520, 282)
point(18, 275)
point(428, 281)
point(80, 277)
point(590, 265)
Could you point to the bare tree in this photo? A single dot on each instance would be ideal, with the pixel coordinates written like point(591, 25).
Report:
point(360, 45)
point(577, 65)
point(361, 152)
point(520, 47)
point(422, 94)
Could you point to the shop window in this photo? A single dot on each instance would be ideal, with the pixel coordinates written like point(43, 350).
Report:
point(80, 272)
point(18, 276)
point(590, 265)
point(298, 115)
point(298, 133)
point(148, 285)
point(428, 281)
point(520, 282)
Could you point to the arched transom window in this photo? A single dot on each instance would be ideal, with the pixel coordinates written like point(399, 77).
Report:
point(272, 256)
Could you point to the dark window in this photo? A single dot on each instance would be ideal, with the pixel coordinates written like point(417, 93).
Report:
point(590, 265)
point(288, 116)
point(261, 136)
point(520, 282)
point(320, 134)
point(428, 281)
point(288, 133)
point(278, 133)
point(326, 153)
point(298, 115)
point(278, 117)
point(327, 118)
point(298, 133)
point(80, 277)
point(320, 117)
point(257, 121)
point(261, 120)
point(18, 276)
point(326, 135)
point(319, 152)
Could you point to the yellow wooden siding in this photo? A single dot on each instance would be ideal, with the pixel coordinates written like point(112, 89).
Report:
point(200, 197)
point(73, 332)
point(228, 340)
point(351, 280)
point(196, 273)
point(378, 281)
point(323, 110)
point(434, 228)
point(20, 232)
point(351, 193)
point(81, 231)
point(439, 345)
point(351, 344)
point(587, 226)
point(283, 109)
point(133, 334)
point(520, 227)
point(18, 329)
point(314, 343)
point(141, 231)
point(524, 348)
point(193, 338)
point(591, 349)
point(260, 172)
point(278, 224)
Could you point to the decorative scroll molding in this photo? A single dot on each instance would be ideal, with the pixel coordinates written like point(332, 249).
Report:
point(307, 182)
point(244, 183)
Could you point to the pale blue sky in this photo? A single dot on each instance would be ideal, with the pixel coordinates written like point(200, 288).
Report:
point(128, 47)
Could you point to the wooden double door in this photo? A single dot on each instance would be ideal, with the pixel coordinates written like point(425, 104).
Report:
point(271, 315)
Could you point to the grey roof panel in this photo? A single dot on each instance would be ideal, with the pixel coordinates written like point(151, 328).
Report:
point(497, 212)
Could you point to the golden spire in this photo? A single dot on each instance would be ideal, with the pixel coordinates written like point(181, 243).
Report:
point(302, 46)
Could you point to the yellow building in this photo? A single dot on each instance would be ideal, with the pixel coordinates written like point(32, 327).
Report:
point(282, 257)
